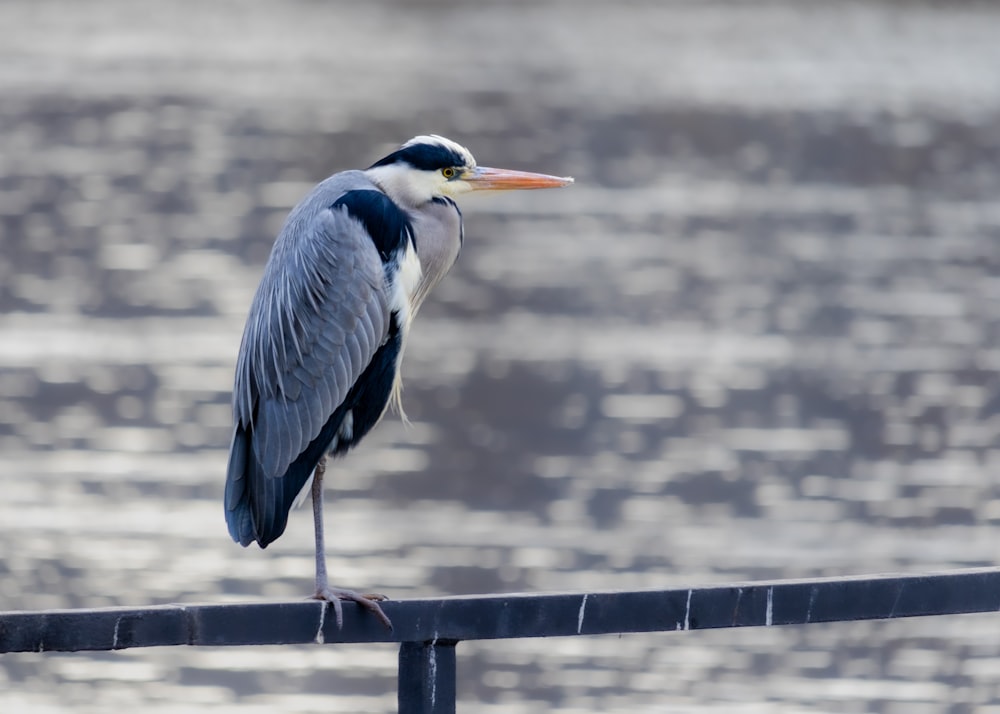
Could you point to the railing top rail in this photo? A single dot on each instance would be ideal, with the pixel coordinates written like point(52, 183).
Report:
point(781, 602)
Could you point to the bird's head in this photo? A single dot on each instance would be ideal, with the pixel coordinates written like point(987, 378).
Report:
point(429, 167)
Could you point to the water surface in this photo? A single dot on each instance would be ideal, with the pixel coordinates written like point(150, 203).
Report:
point(757, 339)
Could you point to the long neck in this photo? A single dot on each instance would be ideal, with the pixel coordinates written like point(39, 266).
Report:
point(437, 228)
point(406, 186)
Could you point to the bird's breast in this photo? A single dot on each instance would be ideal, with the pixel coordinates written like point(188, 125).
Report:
point(409, 274)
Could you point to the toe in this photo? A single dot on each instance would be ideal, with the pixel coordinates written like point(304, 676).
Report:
point(368, 601)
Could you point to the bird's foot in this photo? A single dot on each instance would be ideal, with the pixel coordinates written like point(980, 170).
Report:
point(369, 601)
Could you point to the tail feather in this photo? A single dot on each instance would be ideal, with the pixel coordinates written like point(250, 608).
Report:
point(257, 504)
point(237, 497)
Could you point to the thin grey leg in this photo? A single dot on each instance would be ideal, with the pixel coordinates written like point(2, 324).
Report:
point(317, 504)
point(324, 591)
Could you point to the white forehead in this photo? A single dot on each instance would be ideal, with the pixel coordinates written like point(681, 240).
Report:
point(470, 160)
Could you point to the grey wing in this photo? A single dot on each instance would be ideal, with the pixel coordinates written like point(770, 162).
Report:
point(320, 314)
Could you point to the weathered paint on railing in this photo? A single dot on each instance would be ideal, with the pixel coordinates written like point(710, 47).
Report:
point(429, 629)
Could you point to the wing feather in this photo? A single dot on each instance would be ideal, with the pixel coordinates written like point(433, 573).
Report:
point(319, 316)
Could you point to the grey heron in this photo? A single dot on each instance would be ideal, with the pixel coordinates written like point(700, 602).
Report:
point(320, 356)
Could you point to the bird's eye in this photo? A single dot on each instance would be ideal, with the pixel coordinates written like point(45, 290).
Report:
point(448, 173)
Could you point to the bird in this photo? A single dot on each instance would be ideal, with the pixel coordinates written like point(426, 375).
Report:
point(319, 361)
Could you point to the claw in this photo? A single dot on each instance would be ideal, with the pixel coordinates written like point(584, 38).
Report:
point(369, 601)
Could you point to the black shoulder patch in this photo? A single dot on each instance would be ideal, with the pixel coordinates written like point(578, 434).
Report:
point(426, 157)
point(386, 223)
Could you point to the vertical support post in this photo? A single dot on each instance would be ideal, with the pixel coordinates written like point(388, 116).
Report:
point(427, 677)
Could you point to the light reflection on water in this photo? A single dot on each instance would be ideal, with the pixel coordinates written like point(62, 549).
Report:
point(757, 339)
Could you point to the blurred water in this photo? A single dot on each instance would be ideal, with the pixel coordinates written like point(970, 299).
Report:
point(759, 338)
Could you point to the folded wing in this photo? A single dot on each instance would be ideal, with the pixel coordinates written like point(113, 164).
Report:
point(319, 318)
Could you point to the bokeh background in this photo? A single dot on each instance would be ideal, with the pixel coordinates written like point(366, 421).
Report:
point(759, 338)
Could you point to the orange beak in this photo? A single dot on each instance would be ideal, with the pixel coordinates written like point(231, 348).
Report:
point(483, 178)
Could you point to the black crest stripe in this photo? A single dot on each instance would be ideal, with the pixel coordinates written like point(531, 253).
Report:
point(426, 157)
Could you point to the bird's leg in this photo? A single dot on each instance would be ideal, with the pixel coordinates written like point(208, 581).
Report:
point(317, 504)
point(324, 591)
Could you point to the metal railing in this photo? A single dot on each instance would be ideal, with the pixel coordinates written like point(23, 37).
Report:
point(428, 630)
